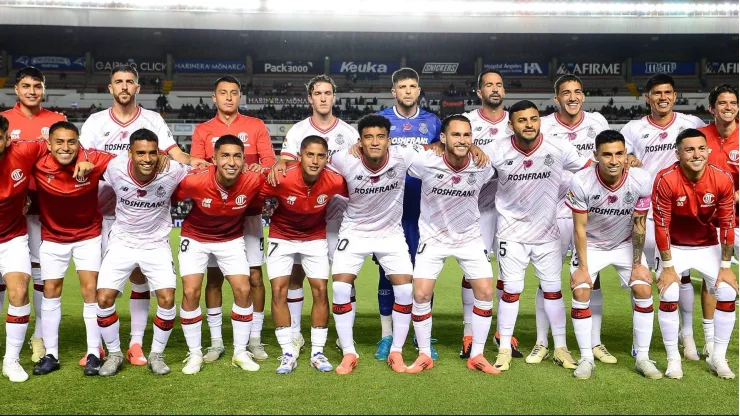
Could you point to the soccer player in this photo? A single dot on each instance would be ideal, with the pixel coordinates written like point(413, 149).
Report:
point(298, 231)
point(71, 225)
point(529, 168)
point(580, 128)
point(689, 198)
point(449, 227)
point(722, 140)
point(651, 140)
point(258, 153)
point(339, 136)
point(29, 121)
point(609, 206)
point(410, 124)
point(110, 131)
point(215, 227)
point(139, 238)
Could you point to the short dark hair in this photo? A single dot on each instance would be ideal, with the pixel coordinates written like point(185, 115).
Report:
point(228, 139)
point(658, 79)
point(404, 73)
point(65, 125)
point(486, 72)
point(718, 90)
point(314, 139)
point(30, 71)
point(521, 106)
point(4, 126)
point(373, 120)
point(566, 78)
point(319, 79)
point(449, 119)
point(227, 78)
point(688, 133)
point(608, 136)
point(125, 68)
point(143, 134)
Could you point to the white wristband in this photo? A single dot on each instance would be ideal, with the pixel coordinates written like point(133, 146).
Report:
point(725, 264)
point(667, 263)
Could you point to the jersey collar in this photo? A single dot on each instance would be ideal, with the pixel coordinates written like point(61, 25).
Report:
point(616, 186)
point(322, 131)
point(483, 116)
point(569, 127)
point(383, 165)
point(652, 123)
point(529, 153)
point(128, 123)
point(17, 108)
point(133, 177)
point(460, 169)
point(416, 114)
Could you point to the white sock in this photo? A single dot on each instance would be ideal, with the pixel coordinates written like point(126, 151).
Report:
point(686, 306)
point(92, 331)
point(38, 296)
point(708, 325)
point(466, 292)
point(421, 314)
point(642, 326)
point(668, 320)
point(508, 310)
point(353, 301)
point(164, 321)
point(16, 324)
point(482, 317)
point(343, 320)
point(580, 314)
point(52, 310)
point(139, 308)
point(318, 339)
point(724, 321)
point(109, 327)
point(214, 316)
point(241, 320)
point(284, 337)
point(401, 315)
point(295, 305)
point(255, 337)
point(597, 315)
point(386, 326)
point(191, 322)
point(555, 310)
point(540, 318)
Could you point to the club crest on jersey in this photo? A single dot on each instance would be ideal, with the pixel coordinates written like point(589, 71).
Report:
point(80, 180)
point(549, 160)
point(471, 179)
point(141, 193)
point(456, 179)
point(612, 199)
point(290, 200)
point(708, 198)
point(321, 200)
point(241, 200)
point(663, 135)
point(527, 163)
point(407, 126)
point(572, 136)
point(339, 139)
point(492, 131)
point(243, 136)
point(160, 192)
point(591, 133)
point(391, 173)
point(734, 155)
point(16, 175)
point(423, 128)
point(629, 198)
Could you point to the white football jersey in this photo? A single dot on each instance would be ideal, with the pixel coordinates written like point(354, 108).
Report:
point(142, 209)
point(102, 131)
point(485, 132)
point(449, 199)
point(528, 188)
point(375, 196)
point(609, 209)
point(655, 145)
point(582, 135)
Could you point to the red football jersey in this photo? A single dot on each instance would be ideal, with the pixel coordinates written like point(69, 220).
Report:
point(301, 210)
point(685, 212)
point(69, 208)
point(217, 214)
point(724, 153)
point(16, 168)
point(35, 127)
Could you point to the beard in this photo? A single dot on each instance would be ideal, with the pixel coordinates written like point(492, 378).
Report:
point(124, 101)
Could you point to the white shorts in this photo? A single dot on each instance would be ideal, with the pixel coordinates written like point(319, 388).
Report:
point(107, 226)
point(15, 257)
point(488, 220)
point(704, 260)
point(55, 257)
point(566, 236)
point(332, 234)
point(650, 251)
point(473, 258)
point(514, 257)
point(34, 236)
point(254, 242)
point(598, 259)
point(120, 260)
point(231, 256)
point(313, 256)
point(392, 254)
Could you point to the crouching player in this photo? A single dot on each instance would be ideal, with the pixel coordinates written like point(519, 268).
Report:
point(610, 206)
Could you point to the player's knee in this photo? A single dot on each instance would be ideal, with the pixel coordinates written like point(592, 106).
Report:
point(255, 277)
point(241, 291)
point(641, 290)
point(671, 293)
point(105, 299)
point(342, 292)
point(166, 298)
point(422, 296)
point(551, 286)
point(725, 293)
point(582, 292)
point(484, 293)
point(512, 290)
point(319, 293)
point(403, 294)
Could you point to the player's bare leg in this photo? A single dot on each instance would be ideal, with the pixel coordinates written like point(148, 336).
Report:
point(281, 318)
point(241, 320)
point(214, 314)
point(642, 324)
point(109, 325)
point(708, 305)
point(343, 319)
point(16, 324)
point(257, 287)
point(164, 321)
point(481, 320)
point(139, 308)
point(401, 315)
point(421, 315)
point(191, 319)
point(295, 304)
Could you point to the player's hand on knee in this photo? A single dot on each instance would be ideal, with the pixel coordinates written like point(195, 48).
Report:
point(580, 277)
point(667, 277)
point(642, 273)
point(726, 275)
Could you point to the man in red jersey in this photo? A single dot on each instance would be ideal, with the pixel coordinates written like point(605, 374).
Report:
point(298, 231)
point(28, 121)
point(71, 226)
point(688, 198)
point(258, 153)
point(215, 227)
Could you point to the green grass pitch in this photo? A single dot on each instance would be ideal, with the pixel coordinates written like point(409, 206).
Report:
point(373, 388)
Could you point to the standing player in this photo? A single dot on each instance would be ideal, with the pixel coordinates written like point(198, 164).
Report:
point(580, 128)
point(258, 153)
point(530, 168)
point(688, 198)
point(214, 227)
point(449, 226)
point(109, 131)
point(609, 207)
point(339, 136)
point(410, 124)
point(139, 238)
point(298, 231)
point(651, 140)
point(28, 121)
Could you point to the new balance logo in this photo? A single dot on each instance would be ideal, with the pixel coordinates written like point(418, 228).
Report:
point(291, 200)
point(680, 201)
point(206, 202)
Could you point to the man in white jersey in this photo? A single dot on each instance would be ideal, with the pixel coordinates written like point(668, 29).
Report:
point(139, 238)
point(449, 226)
point(609, 207)
point(529, 168)
point(109, 131)
point(652, 139)
point(340, 136)
point(580, 128)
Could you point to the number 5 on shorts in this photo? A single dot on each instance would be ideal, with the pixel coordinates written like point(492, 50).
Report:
point(502, 248)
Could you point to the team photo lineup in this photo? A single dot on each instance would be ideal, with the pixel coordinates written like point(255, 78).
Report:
point(655, 200)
